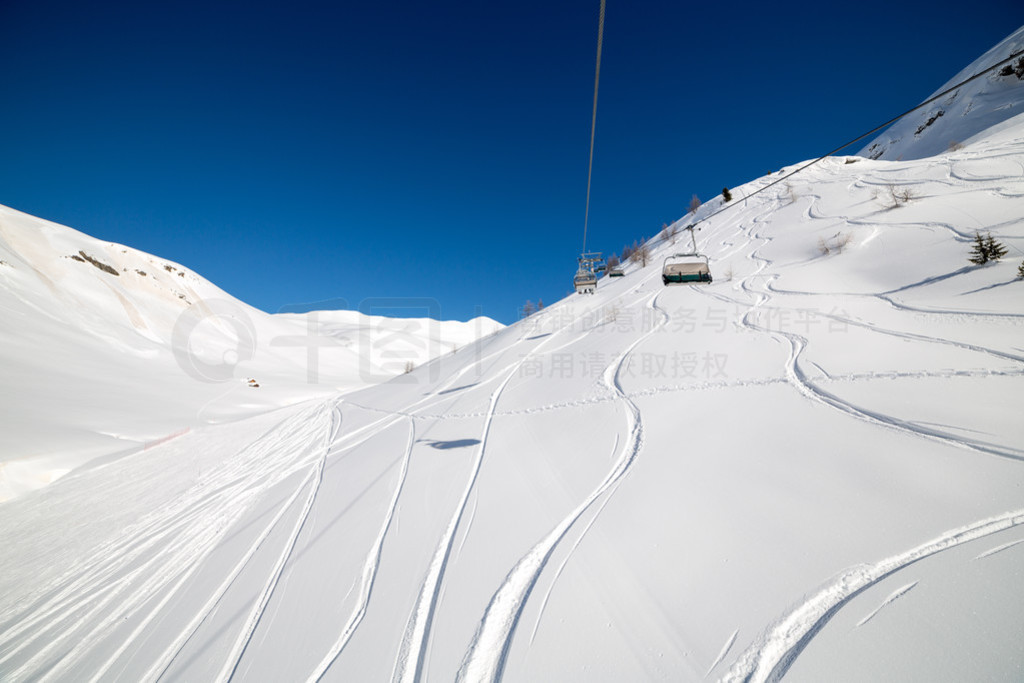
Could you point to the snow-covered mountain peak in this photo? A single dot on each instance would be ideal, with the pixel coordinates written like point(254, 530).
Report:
point(106, 348)
point(954, 120)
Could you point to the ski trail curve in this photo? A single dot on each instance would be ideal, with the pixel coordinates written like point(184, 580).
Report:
point(771, 655)
point(568, 555)
point(889, 600)
point(436, 397)
point(799, 380)
point(230, 667)
point(163, 662)
point(723, 652)
point(408, 666)
point(151, 561)
point(488, 651)
point(370, 567)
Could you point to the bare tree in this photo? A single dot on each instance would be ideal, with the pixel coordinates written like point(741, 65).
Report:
point(895, 197)
point(694, 204)
point(640, 253)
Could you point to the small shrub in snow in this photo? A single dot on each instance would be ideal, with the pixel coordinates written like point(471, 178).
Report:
point(955, 146)
point(726, 194)
point(836, 243)
point(1020, 271)
point(787, 193)
point(895, 197)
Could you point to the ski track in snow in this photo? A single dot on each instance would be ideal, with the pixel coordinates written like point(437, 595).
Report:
point(409, 664)
point(716, 385)
point(999, 549)
point(370, 567)
point(153, 559)
point(488, 651)
point(723, 652)
point(469, 525)
point(945, 311)
point(892, 596)
point(569, 554)
point(812, 391)
point(798, 378)
point(770, 656)
point(190, 516)
point(259, 609)
point(163, 662)
point(910, 336)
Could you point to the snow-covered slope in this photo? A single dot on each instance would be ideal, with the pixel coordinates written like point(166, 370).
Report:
point(811, 469)
point(106, 349)
point(953, 120)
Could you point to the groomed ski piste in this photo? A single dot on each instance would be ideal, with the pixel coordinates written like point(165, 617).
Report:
point(811, 469)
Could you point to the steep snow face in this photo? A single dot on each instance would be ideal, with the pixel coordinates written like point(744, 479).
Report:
point(810, 468)
point(107, 349)
point(955, 119)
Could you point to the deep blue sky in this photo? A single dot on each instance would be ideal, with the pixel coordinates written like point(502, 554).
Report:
point(304, 151)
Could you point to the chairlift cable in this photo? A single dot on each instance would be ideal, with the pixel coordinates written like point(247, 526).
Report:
point(873, 130)
point(593, 121)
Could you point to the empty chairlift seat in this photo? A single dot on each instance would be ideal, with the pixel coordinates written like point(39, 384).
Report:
point(686, 268)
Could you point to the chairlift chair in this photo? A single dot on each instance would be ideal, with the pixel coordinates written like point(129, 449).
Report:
point(691, 267)
point(585, 281)
point(615, 271)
